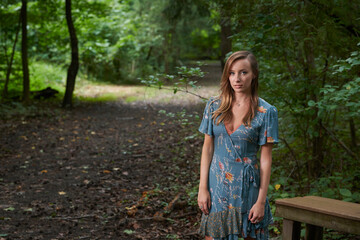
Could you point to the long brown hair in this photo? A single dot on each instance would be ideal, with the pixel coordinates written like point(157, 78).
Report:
point(227, 95)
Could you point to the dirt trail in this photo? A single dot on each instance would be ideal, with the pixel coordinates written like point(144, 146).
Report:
point(102, 171)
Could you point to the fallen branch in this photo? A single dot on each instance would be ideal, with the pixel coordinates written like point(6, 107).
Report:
point(186, 214)
point(131, 211)
point(70, 218)
point(159, 216)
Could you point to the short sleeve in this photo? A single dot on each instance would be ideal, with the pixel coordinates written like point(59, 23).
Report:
point(206, 125)
point(269, 128)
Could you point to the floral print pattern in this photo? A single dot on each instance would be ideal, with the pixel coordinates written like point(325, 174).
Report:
point(234, 176)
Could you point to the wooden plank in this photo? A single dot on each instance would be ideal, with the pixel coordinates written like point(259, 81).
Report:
point(313, 232)
point(291, 230)
point(323, 205)
point(318, 219)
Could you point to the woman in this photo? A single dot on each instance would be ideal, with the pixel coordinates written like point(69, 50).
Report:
point(233, 185)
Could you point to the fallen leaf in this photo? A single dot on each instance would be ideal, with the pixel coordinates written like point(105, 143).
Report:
point(136, 225)
point(44, 171)
point(125, 173)
point(9, 209)
point(128, 231)
point(106, 171)
point(62, 193)
point(24, 137)
point(131, 211)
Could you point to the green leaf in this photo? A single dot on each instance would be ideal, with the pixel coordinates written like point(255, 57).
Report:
point(311, 103)
point(9, 209)
point(129, 231)
point(345, 192)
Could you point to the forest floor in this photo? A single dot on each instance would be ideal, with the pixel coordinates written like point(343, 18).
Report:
point(104, 170)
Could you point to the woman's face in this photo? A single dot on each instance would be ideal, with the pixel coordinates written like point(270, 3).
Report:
point(240, 76)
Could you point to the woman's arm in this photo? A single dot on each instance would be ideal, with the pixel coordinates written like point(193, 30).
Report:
point(204, 201)
point(258, 210)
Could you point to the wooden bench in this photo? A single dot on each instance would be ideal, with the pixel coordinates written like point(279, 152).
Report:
point(317, 212)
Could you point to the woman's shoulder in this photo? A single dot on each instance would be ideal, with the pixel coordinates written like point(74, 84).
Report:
point(214, 102)
point(264, 106)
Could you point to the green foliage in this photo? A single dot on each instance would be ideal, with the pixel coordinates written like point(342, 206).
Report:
point(45, 74)
point(337, 97)
point(118, 41)
point(336, 187)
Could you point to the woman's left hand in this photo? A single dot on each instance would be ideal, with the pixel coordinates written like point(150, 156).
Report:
point(257, 212)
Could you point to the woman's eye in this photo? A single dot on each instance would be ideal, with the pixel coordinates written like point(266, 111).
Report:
point(232, 73)
point(243, 72)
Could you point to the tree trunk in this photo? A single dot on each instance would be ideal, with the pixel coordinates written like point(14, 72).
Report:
point(353, 134)
point(225, 44)
point(25, 65)
point(315, 163)
point(74, 65)
point(8, 72)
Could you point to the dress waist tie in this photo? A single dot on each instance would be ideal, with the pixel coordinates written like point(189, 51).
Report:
point(250, 178)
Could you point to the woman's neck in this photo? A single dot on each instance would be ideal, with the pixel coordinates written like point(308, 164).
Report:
point(241, 98)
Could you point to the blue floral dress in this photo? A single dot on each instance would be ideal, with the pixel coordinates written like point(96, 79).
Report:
point(234, 175)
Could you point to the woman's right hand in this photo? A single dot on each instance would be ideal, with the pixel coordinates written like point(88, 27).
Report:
point(204, 201)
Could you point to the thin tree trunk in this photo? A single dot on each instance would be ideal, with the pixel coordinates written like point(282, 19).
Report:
point(8, 72)
point(353, 134)
point(225, 44)
point(74, 65)
point(25, 64)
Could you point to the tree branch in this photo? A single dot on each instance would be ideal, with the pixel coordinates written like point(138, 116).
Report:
point(332, 135)
point(179, 90)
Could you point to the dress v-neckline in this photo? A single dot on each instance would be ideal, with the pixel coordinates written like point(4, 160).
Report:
point(229, 132)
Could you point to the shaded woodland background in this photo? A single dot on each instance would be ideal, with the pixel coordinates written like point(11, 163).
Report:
point(96, 53)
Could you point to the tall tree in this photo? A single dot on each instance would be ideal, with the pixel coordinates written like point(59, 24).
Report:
point(225, 44)
point(74, 65)
point(5, 91)
point(25, 64)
